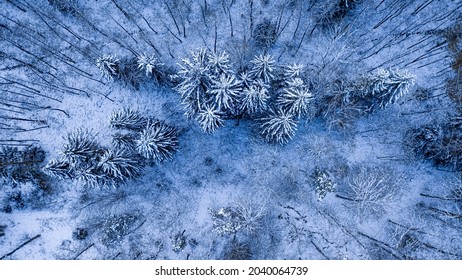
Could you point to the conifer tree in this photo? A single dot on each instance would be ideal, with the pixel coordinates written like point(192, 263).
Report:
point(157, 141)
point(279, 127)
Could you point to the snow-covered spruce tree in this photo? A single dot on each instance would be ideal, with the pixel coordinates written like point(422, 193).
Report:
point(295, 97)
point(125, 70)
point(79, 162)
point(81, 145)
point(254, 98)
point(209, 119)
point(323, 183)
point(386, 86)
point(209, 89)
point(124, 141)
point(157, 141)
point(148, 64)
point(219, 63)
point(340, 105)
point(195, 79)
point(120, 164)
point(91, 176)
point(245, 78)
point(128, 118)
point(58, 169)
point(279, 127)
point(263, 68)
point(128, 72)
point(292, 71)
point(225, 91)
point(153, 67)
point(107, 65)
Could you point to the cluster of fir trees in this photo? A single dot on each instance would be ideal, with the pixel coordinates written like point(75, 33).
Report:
point(276, 95)
point(139, 141)
point(213, 90)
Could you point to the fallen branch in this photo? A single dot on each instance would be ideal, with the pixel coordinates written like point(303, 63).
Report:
point(83, 251)
point(384, 246)
point(341, 226)
point(409, 228)
point(20, 246)
point(441, 197)
point(429, 246)
point(445, 213)
point(346, 198)
point(319, 250)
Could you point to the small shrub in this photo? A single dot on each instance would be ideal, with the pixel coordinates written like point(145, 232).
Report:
point(2, 230)
point(323, 183)
point(265, 33)
point(80, 234)
point(440, 143)
point(233, 219)
point(115, 228)
point(372, 188)
point(179, 242)
point(7, 209)
point(64, 6)
point(238, 251)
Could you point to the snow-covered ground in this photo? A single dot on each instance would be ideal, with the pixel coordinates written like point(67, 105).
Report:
point(230, 193)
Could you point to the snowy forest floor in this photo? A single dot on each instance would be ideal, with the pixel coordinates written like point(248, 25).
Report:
point(51, 86)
